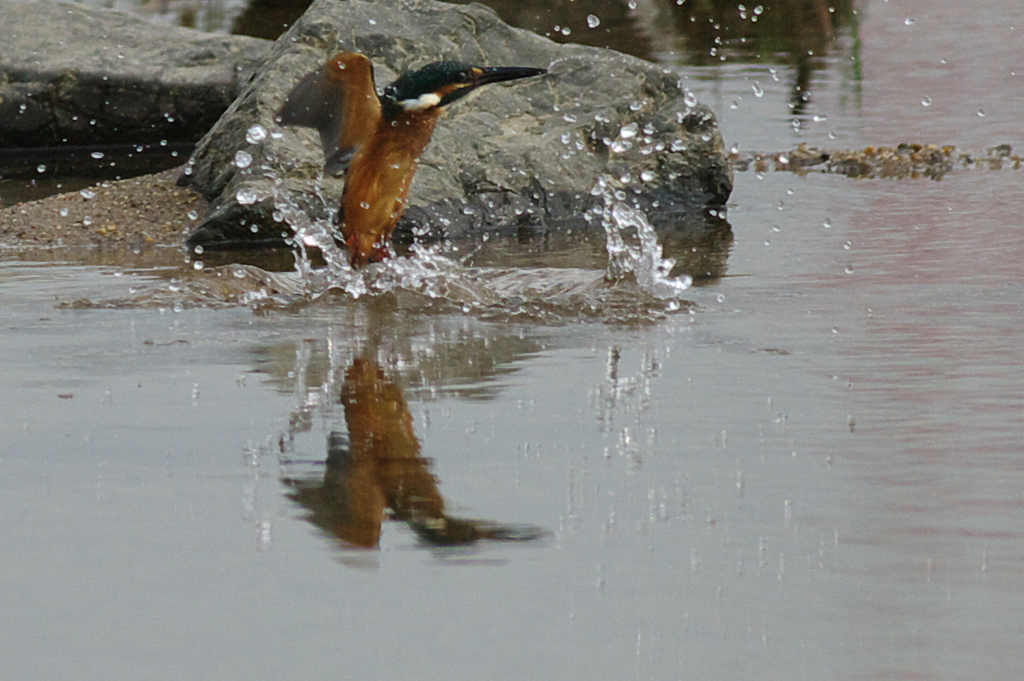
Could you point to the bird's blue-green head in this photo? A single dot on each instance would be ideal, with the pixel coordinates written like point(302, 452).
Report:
point(443, 82)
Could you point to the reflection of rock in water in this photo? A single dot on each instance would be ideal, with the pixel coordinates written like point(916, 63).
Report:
point(377, 469)
point(267, 18)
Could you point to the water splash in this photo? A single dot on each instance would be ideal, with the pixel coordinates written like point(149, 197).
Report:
point(427, 272)
point(309, 233)
point(634, 253)
point(636, 285)
point(633, 247)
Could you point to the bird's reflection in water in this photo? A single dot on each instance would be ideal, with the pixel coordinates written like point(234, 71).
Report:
point(375, 472)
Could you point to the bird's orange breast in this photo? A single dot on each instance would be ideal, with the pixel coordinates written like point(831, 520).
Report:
point(378, 183)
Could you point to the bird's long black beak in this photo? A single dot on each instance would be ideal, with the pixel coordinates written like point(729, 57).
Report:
point(497, 74)
point(482, 75)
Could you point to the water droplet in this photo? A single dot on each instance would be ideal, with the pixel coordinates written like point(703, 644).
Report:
point(255, 134)
point(97, 155)
point(828, 223)
point(41, 168)
point(620, 146)
point(647, 175)
point(87, 220)
point(566, 30)
point(198, 250)
point(569, 118)
point(629, 130)
point(63, 212)
point(197, 265)
point(908, 21)
point(758, 92)
point(689, 99)
point(364, 205)
point(192, 215)
point(927, 101)
point(87, 194)
point(593, 21)
point(243, 159)
point(246, 196)
point(981, 113)
point(678, 145)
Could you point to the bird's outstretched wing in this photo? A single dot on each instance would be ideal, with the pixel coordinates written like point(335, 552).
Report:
point(340, 101)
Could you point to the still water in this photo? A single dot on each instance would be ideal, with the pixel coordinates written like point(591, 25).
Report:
point(814, 470)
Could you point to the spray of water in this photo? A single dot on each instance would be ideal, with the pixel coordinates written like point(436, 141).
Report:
point(634, 255)
point(632, 245)
point(427, 272)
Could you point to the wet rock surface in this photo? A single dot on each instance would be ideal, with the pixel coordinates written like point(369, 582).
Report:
point(518, 157)
point(74, 75)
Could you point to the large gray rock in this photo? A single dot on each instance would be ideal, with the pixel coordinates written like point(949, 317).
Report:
point(519, 156)
point(71, 74)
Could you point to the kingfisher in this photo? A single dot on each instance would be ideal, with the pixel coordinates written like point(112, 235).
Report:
point(376, 140)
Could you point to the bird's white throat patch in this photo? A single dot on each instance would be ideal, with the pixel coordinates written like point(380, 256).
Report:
point(424, 101)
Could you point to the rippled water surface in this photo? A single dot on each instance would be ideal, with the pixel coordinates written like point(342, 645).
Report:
point(810, 467)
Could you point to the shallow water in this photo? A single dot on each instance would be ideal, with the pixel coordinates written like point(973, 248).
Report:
point(813, 469)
